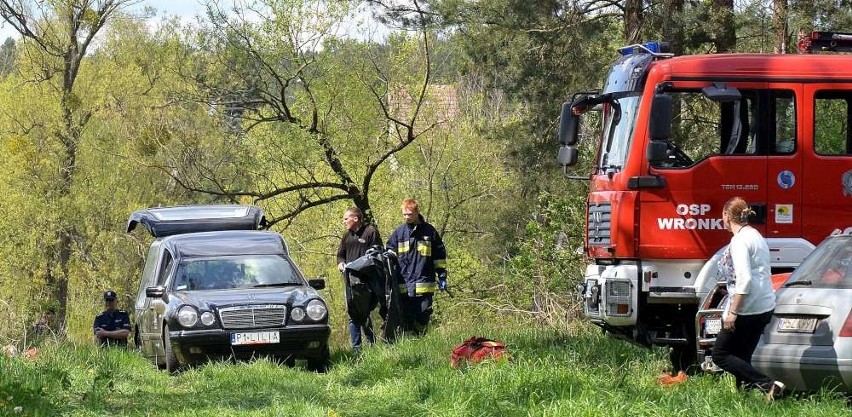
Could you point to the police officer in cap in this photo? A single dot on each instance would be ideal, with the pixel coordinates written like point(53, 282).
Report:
point(112, 326)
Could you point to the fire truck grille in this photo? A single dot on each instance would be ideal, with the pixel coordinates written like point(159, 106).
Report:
point(599, 223)
point(253, 316)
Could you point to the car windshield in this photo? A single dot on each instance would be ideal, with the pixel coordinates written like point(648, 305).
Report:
point(235, 272)
point(829, 266)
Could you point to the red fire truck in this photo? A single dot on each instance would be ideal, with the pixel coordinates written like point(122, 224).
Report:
point(679, 136)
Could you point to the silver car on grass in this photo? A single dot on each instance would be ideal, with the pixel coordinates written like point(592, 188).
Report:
point(808, 343)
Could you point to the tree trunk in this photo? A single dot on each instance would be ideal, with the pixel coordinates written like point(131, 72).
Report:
point(672, 28)
point(779, 26)
point(724, 29)
point(633, 21)
point(363, 203)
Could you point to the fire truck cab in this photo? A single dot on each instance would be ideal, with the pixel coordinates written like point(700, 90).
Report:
point(677, 137)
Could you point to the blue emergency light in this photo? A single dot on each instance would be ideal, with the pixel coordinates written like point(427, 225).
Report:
point(652, 47)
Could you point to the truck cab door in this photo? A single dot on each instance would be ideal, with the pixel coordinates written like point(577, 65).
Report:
point(716, 151)
point(826, 148)
point(783, 130)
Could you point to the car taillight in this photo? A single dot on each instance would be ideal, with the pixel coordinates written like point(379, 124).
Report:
point(846, 330)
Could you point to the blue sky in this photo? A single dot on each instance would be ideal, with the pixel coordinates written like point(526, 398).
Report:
point(186, 9)
point(176, 7)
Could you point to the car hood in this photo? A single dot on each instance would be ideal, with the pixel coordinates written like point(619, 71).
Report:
point(219, 298)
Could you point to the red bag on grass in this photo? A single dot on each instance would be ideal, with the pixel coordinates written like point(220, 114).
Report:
point(476, 349)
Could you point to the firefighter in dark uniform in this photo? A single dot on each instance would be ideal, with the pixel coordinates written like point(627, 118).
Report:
point(422, 263)
point(112, 326)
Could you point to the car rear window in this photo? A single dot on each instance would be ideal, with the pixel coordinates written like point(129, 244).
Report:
point(235, 272)
point(200, 212)
point(829, 266)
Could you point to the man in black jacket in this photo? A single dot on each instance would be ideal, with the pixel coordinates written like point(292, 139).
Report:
point(356, 240)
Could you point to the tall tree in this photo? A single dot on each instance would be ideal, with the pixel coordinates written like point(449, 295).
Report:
point(779, 26)
point(672, 25)
point(633, 20)
point(7, 56)
point(334, 111)
point(56, 38)
point(533, 55)
point(722, 26)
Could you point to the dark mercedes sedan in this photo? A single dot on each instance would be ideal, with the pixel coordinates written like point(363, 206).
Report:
point(214, 286)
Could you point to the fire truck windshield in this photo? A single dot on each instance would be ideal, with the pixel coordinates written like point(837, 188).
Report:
point(619, 120)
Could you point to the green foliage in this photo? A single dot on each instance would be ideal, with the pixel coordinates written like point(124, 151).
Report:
point(830, 123)
point(129, 109)
point(547, 257)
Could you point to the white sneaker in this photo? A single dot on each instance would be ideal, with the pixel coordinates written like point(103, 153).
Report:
point(776, 391)
point(709, 366)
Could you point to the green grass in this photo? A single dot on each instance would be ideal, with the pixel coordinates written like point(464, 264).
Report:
point(576, 372)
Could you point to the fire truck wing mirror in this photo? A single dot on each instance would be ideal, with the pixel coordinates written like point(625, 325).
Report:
point(568, 125)
point(721, 93)
point(660, 127)
point(567, 155)
point(657, 152)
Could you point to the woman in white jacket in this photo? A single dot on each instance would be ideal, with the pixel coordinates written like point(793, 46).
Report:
point(751, 300)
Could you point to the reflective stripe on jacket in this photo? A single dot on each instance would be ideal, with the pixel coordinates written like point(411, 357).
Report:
point(421, 255)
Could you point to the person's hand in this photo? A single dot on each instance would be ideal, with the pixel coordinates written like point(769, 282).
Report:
point(730, 319)
point(442, 282)
point(341, 266)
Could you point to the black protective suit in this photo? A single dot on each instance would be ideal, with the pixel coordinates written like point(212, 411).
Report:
point(372, 280)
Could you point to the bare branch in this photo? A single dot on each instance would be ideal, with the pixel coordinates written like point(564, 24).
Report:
point(306, 205)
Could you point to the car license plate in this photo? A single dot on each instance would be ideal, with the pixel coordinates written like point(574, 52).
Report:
point(712, 326)
point(796, 325)
point(255, 338)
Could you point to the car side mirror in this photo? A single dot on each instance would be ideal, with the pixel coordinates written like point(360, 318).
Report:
point(155, 292)
point(567, 155)
point(317, 283)
point(569, 125)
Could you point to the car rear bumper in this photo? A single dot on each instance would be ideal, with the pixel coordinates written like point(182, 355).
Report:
point(304, 341)
point(804, 367)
